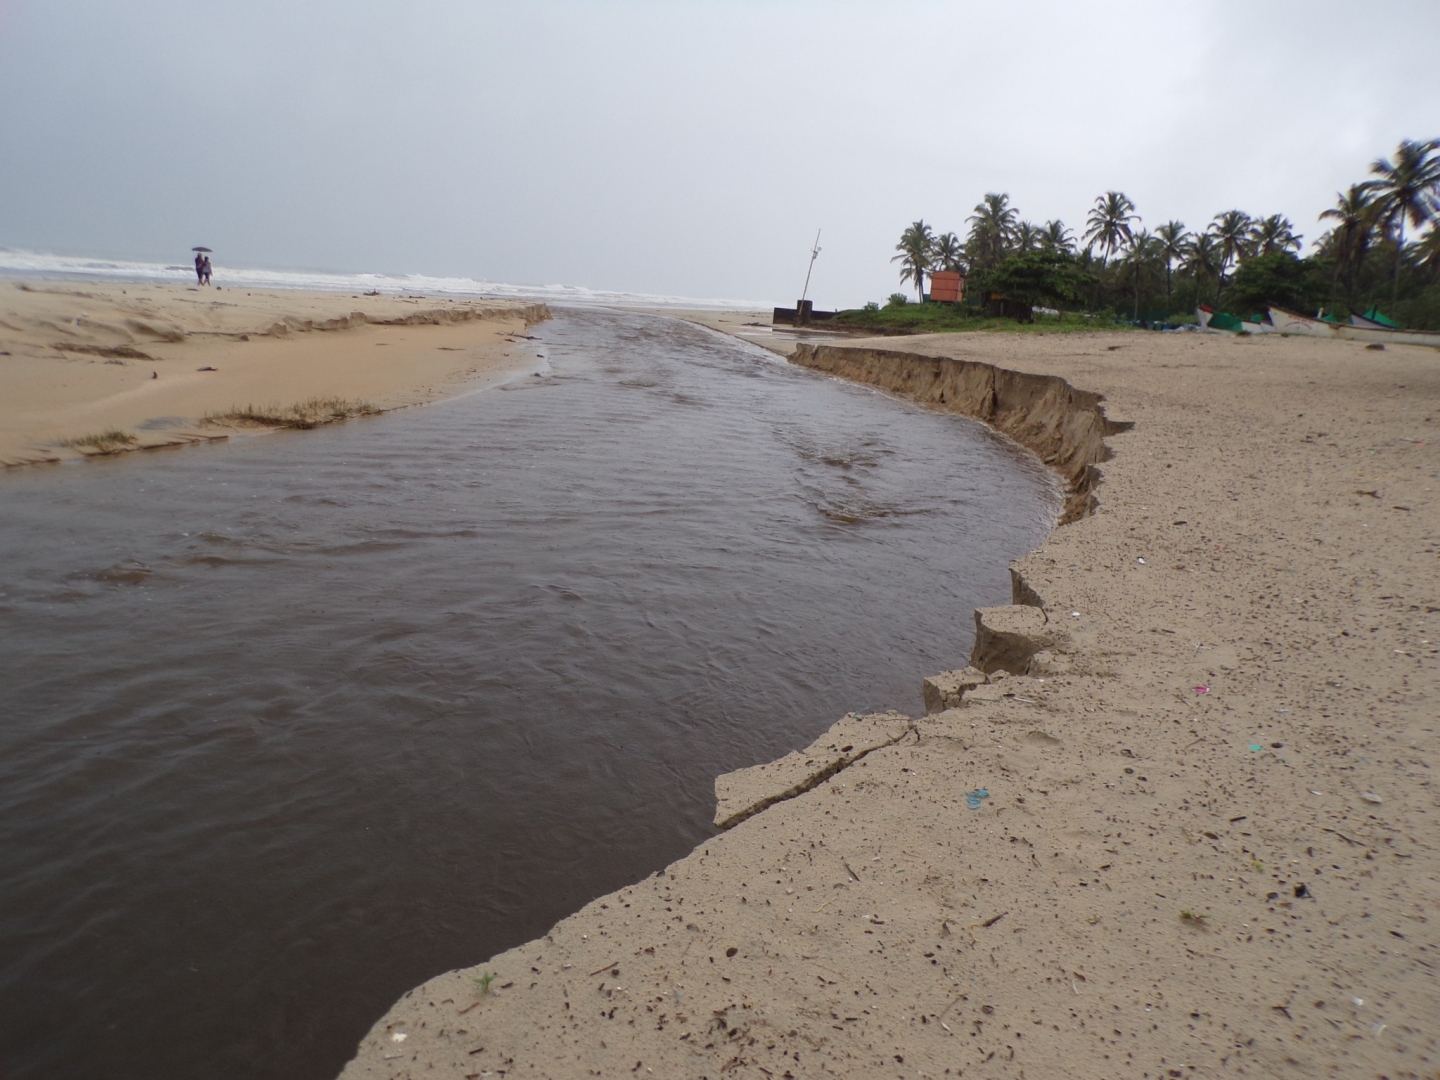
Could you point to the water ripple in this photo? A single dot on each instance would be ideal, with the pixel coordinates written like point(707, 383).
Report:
point(294, 723)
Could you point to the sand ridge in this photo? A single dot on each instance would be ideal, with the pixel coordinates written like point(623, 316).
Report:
point(1199, 839)
point(152, 360)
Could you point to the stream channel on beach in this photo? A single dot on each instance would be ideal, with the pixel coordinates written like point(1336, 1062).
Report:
point(292, 723)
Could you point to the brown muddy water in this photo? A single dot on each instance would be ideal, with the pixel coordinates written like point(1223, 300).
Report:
point(292, 724)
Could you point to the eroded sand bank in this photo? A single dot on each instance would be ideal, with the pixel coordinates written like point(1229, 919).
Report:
point(1206, 843)
point(151, 361)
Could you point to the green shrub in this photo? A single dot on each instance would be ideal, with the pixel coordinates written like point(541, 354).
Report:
point(1421, 312)
point(1278, 279)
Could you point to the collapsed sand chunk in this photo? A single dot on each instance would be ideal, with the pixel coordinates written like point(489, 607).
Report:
point(745, 792)
point(1048, 662)
point(1007, 637)
point(945, 691)
point(1022, 592)
point(988, 694)
point(1004, 689)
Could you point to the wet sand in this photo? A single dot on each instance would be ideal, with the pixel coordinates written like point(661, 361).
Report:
point(151, 361)
point(1193, 834)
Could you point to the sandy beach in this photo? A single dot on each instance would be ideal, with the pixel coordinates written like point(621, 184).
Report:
point(153, 361)
point(1181, 824)
point(754, 326)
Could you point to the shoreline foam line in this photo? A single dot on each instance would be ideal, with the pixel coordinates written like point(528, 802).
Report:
point(20, 264)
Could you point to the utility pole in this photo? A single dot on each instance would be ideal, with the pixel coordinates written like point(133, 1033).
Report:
point(814, 254)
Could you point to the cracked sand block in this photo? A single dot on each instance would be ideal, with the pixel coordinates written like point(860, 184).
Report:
point(1007, 637)
point(1003, 688)
point(745, 792)
point(1046, 662)
point(1021, 591)
point(987, 694)
point(944, 691)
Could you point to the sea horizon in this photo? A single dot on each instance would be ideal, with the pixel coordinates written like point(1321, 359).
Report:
point(19, 263)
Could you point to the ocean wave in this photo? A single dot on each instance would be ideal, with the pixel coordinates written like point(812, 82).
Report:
point(32, 264)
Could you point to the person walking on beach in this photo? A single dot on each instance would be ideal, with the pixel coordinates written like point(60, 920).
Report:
point(199, 268)
point(205, 270)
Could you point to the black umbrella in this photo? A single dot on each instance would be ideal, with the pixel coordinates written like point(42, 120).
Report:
point(204, 249)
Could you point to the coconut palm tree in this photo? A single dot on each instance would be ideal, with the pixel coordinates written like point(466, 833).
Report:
point(1274, 233)
point(1056, 237)
point(1108, 225)
point(1202, 258)
point(992, 231)
point(1356, 215)
point(1173, 240)
point(1232, 234)
point(916, 251)
point(1027, 237)
point(1407, 189)
point(1142, 254)
point(949, 254)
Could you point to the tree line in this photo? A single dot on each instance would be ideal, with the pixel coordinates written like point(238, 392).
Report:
point(1381, 247)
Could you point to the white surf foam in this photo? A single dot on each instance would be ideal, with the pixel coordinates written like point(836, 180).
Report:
point(34, 264)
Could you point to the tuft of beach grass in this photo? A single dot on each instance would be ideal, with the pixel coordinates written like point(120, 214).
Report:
point(302, 415)
point(109, 441)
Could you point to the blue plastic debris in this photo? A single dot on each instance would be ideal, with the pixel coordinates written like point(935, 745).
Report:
point(976, 797)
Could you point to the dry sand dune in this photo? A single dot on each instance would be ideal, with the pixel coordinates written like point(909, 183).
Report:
point(151, 361)
point(1195, 835)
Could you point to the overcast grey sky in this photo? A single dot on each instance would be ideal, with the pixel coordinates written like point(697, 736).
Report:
point(675, 147)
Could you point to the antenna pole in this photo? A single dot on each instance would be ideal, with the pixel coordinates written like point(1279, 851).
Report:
point(814, 254)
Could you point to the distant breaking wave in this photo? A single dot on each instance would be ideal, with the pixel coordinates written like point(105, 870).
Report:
point(16, 263)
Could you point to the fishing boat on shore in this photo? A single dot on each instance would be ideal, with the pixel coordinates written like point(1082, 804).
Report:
point(1288, 322)
point(1387, 336)
point(1374, 319)
point(1218, 322)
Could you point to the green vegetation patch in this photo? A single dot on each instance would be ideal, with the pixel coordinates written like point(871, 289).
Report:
point(1380, 250)
point(955, 318)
